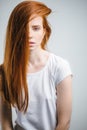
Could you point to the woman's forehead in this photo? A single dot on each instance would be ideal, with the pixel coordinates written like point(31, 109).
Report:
point(38, 20)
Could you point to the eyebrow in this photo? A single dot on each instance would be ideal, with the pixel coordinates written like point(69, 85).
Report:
point(36, 25)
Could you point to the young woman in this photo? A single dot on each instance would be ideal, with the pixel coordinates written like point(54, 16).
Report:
point(36, 82)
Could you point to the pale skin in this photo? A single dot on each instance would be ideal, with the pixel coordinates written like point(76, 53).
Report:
point(38, 56)
point(64, 103)
point(38, 59)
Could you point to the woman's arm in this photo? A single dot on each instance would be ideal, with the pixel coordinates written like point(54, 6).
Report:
point(6, 114)
point(64, 103)
point(5, 108)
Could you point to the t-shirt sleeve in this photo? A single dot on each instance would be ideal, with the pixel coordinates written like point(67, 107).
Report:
point(62, 70)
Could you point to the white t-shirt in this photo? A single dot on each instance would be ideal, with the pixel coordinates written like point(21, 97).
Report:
point(41, 112)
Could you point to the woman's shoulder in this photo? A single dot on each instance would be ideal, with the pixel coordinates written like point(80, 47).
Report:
point(59, 64)
point(58, 60)
point(3, 83)
point(1, 68)
point(1, 76)
point(1, 72)
point(61, 68)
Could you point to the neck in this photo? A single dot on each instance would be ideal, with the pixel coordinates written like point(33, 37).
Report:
point(36, 56)
point(37, 60)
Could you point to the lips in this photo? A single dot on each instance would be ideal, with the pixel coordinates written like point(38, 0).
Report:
point(31, 44)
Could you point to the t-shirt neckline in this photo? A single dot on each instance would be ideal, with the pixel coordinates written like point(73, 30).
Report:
point(37, 72)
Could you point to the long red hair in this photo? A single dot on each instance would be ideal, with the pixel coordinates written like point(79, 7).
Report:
point(16, 55)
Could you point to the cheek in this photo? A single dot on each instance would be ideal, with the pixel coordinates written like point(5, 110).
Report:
point(40, 36)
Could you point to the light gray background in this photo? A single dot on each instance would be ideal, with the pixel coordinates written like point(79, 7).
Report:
point(68, 39)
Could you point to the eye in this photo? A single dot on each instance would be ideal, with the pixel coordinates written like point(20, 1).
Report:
point(36, 28)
